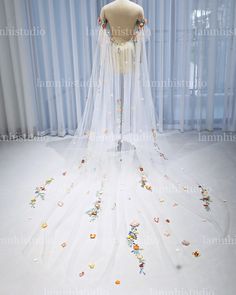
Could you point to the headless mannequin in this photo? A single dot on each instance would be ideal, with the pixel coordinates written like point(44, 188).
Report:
point(122, 16)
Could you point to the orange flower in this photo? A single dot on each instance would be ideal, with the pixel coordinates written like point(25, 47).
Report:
point(136, 247)
point(117, 282)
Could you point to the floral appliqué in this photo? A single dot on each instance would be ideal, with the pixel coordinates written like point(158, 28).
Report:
point(40, 192)
point(144, 181)
point(102, 21)
point(140, 23)
point(93, 213)
point(205, 197)
point(157, 148)
point(132, 240)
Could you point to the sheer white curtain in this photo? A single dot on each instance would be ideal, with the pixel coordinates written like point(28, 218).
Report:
point(193, 63)
point(17, 89)
point(46, 54)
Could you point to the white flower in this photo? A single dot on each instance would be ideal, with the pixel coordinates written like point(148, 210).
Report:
point(134, 223)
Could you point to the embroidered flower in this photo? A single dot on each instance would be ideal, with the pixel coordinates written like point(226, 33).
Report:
point(132, 242)
point(60, 204)
point(167, 234)
point(157, 148)
point(102, 22)
point(91, 265)
point(95, 210)
point(196, 253)
point(205, 197)
point(117, 282)
point(134, 223)
point(40, 192)
point(144, 181)
point(44, 225)
point(156, 219)
point(140, 22)
point(185, 243)
point(64, 244)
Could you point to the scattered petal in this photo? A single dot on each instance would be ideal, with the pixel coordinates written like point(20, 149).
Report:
point(92, 236)
point(185, 243)
point(156, 219)
point(81, 274)
point(60, 204)
point(167, 234)
point(139, 256)
point(132, 243)
point(91, 265)
point(196, 253)
point(148, 187)
point(117, 282)
point(206, 199)
point(44, 225)
point(63, 244)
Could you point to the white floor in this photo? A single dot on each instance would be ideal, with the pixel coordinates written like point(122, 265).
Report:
point(26, 164)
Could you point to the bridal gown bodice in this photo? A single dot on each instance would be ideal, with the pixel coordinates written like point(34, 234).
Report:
point(121, 208)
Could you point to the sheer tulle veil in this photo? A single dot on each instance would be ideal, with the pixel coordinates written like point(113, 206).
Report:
point(109, 206)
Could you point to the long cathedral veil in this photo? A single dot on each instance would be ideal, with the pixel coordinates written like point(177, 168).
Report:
point(109, 206)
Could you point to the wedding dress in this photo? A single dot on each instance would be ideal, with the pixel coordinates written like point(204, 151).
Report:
point(118, 210)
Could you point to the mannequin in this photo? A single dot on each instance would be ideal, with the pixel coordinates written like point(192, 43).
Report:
point(122, 16)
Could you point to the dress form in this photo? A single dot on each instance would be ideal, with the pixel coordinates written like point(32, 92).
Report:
point(122, 16)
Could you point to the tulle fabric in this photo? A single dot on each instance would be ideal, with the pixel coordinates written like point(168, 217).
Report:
point(116, 157)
